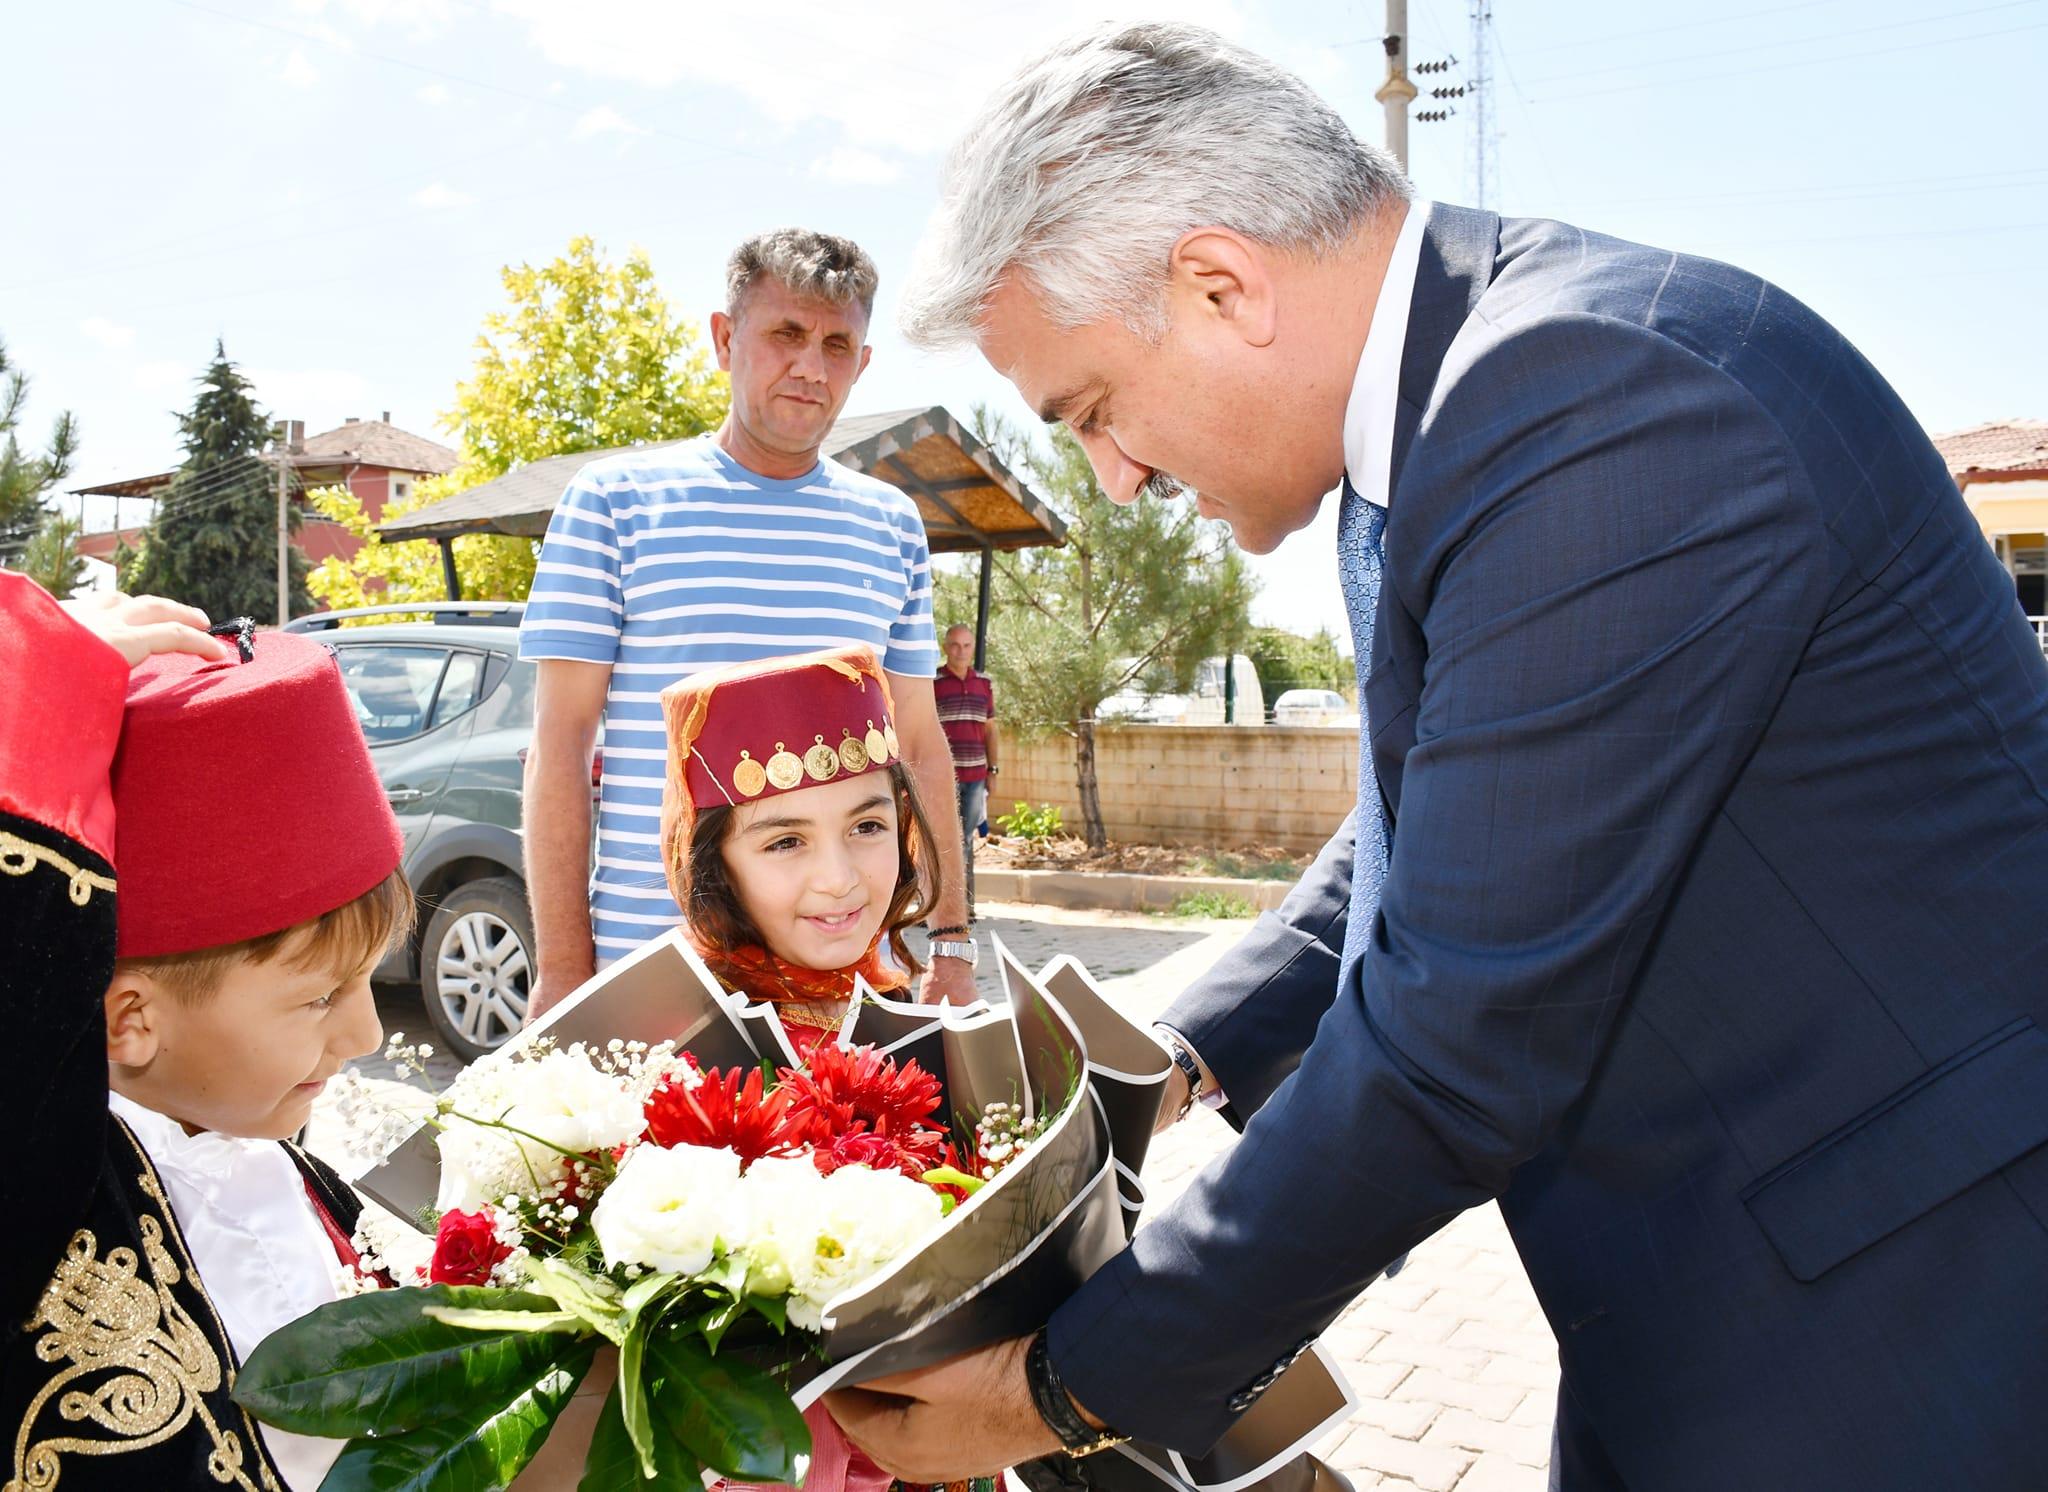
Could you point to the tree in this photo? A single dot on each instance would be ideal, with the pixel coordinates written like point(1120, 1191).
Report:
point(51, 557)
point(213, 541)
point(1287, 660)
point(586, 357)
point(25, 481)
point(1140, 592)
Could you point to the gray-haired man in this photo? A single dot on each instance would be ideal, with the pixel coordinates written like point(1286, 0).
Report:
point(744, 544)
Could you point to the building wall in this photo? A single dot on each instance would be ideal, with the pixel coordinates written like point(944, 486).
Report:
point(1221, 786)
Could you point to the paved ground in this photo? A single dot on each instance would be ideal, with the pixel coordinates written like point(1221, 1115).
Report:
point(1453, 1364)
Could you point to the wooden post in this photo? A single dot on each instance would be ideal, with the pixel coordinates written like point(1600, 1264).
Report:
point(981, 612)
point(449, 579)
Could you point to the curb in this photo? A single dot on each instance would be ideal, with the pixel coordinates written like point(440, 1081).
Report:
point(1117, 891)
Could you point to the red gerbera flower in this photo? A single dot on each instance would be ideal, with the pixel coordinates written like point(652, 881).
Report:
point(842, 1092)
point(722, 1111)
point(912, 1154)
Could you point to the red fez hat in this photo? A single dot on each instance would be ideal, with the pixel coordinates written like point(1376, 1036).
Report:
point(244, 799)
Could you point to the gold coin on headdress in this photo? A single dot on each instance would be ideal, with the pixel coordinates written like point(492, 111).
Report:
point(749, 776)
point(889, 735)
point(821, 761)
point(852, 755)
point(785, 768)
point(878, 746)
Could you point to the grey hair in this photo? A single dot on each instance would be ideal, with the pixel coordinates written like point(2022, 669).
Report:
point(821, 265)
point(1087, 167)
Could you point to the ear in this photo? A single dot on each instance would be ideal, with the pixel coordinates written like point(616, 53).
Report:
point(1227, 280)
point(866, 352)
point(722, 327)
point(135, 1006)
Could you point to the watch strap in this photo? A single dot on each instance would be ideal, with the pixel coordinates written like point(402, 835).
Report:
point(1056, 1407)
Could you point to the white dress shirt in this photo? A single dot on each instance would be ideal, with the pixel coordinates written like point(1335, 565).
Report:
point(1376, 387)
point(260, 1251)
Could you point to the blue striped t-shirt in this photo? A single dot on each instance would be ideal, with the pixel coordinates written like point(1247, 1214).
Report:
point(671, 560)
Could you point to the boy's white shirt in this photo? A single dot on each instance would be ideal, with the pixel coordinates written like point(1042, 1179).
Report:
point(257, 1243)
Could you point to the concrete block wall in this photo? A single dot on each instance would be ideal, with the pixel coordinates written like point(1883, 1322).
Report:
point(1195, 784)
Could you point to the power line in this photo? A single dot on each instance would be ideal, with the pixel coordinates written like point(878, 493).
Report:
point(1717, 20)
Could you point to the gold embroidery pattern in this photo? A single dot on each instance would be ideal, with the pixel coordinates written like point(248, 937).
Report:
point(19, 856)
point(137, 1367)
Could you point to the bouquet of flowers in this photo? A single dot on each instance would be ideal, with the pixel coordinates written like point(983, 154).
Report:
point(652, 1172)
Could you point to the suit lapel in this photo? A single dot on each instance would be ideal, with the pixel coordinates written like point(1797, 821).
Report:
point(1458, 260)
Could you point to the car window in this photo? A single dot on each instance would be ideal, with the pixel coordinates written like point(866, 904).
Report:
point(458, 687)
point(392, 688)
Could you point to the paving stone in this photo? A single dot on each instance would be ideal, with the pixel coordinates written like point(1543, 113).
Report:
point(1464, 1430)
point(1434, 1468)
point(1494, 1401)
point(1499, 1474)
point(1405, 1418)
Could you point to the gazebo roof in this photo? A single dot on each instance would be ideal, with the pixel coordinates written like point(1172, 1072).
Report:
point(968, 498)
point(2010, 448)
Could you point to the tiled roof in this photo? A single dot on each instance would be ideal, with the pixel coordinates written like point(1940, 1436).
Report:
point(2000, 446)
point(374, 443)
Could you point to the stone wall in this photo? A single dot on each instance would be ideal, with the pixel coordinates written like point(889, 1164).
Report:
point(1220, 786)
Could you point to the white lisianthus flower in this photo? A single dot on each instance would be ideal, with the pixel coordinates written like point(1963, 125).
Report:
point(784, 1197)
point(670, 1209)
point(830, 1235)
point(558, 1101)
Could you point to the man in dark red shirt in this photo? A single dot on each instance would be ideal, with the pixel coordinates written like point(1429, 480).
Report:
point(967, 711)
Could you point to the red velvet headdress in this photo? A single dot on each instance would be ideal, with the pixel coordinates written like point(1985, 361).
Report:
point(244, 799)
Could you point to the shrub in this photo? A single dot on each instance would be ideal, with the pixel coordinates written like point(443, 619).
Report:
point(1026, 822)
point(1212, 904)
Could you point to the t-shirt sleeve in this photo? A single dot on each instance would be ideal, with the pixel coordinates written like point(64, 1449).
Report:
point(575, 609)
point(913, 650)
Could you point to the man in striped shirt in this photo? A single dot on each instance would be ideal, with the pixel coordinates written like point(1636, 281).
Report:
point(738, 545)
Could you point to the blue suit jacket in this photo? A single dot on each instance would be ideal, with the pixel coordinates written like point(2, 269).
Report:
point(1713, 943)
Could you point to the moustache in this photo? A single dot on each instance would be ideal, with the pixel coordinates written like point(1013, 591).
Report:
point(1165, 487)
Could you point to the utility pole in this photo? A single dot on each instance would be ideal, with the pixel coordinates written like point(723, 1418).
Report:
point(290, 436)
point(1397, 92)
point(1479, 84)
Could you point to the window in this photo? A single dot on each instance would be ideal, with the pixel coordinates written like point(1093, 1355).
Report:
point(458, 687)
point(392, 688)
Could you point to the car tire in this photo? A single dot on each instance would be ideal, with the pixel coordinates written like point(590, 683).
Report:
point(476, 965)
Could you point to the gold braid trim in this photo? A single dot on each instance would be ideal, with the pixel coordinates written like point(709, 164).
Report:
point(149, 1365)
point(18, 857)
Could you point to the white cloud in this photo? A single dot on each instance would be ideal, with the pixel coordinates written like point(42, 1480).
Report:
point(433, 93)
point(853, 167)
point(297, 71)
point(440, 195)
point(846, 65)
point(108, 333)
point(421, 20)
point(604, 120)
point(162, 376)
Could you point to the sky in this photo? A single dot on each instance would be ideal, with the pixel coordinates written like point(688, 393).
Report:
point(330, 187)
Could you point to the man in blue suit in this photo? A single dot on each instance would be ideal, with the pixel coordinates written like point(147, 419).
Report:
point(1694, 905)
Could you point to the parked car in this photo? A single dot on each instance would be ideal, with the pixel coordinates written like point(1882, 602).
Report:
point(1313, 707)
point(447, 707)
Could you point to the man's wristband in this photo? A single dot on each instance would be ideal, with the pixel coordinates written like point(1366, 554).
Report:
point(959, 930)
point(1056, 1407)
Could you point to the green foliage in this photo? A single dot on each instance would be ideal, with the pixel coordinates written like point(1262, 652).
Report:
point(25, 481)
point(51, 559)
point(491, 567)
point(1287, 660)
point(213, 541)
point(1026, 822)
point(1244, 868)
point(731, 1416)
point(586, 357)
point(1143, 592)
point(1213, 904)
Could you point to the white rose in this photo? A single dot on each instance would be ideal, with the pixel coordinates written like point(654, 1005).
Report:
point(830, 1236)
point(669, 1209)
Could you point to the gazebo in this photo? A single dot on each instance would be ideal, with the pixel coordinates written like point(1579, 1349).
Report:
point(968, 498)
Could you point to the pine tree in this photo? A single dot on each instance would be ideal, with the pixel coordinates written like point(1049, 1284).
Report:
point(213, 541)
point(51, 558)
point(25, 481)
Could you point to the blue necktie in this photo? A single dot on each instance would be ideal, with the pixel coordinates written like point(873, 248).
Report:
point(1360, 558)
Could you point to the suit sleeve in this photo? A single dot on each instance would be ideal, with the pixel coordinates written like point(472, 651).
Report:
point(1616, 563)
point(1255, 1012)
point(61, 693)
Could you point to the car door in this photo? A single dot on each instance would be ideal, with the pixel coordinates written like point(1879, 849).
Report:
point(397, 690)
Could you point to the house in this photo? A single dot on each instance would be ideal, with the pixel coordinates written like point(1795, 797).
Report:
point(2002, 469)
point(374, 459)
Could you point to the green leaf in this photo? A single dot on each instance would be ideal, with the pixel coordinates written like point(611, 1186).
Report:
point(714, 1323)
point(774, 1308)
point(564, 1321)
point(591, 1297)
point(613, 1463)
point(645, 1291)
point(376, 1364)
point(478, 1449)
point(732, 1416)
point(952, 1176)
point(632, 1389)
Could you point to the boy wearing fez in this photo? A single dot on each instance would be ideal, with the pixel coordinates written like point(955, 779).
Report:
point(160, 1223)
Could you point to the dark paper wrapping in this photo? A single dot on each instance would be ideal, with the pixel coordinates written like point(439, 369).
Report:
point(1013, 1251)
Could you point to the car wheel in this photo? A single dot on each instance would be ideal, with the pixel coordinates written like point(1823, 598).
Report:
point(476, 965)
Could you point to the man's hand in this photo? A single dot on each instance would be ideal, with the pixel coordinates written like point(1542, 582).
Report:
point(966, 1417)
point(1173, 1102)
point(947, 981)
point(139, 627)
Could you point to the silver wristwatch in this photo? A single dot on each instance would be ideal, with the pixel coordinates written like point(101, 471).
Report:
point(964, 950)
